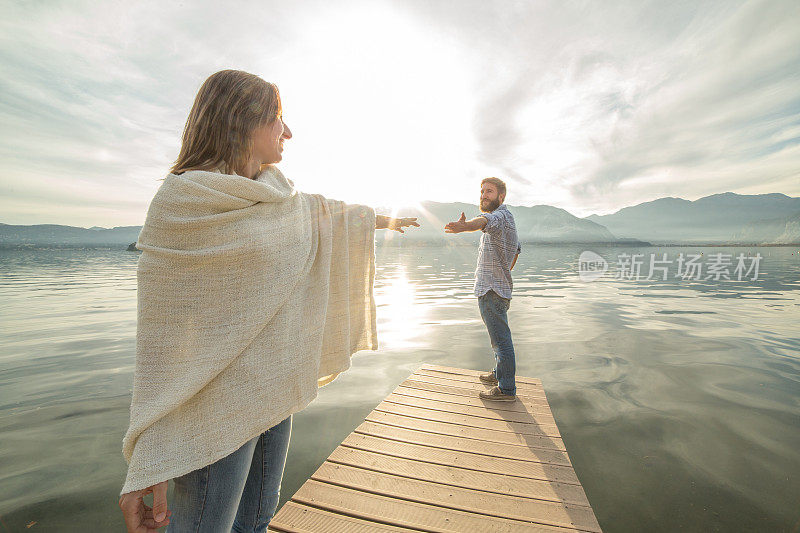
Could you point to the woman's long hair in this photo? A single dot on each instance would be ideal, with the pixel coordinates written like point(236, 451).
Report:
point(219, 130)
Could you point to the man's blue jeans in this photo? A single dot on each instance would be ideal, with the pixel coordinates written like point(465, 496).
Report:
point(238, 493)
point(494, 311)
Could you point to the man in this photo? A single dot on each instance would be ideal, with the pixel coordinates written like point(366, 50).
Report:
point(497, 256)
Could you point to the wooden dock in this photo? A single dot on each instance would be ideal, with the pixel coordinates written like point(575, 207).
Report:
point(435, 457)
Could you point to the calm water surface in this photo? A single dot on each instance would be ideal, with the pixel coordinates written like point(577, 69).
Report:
point(678, 400)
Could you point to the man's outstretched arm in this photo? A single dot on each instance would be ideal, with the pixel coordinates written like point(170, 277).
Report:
point(462, 224)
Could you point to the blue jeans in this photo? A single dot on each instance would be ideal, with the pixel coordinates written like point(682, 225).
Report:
point(494, 311)
point(237, 493)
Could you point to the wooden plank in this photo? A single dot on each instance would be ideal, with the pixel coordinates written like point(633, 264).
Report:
point(470, 386)
point(470, 500)
point(297, 518)
point(469, 372)
point(492, 449)
point(434, 457)
point(461, 477)
point(522, 407)
point(467, 432)
point(456, 380)
point(467, 420)
point(398, 512)
point(539, 416)
point(472, 390)
point(471, 379)
point(473, 461)
point(456, 391)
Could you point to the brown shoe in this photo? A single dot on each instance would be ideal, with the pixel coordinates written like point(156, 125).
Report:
point(497, 395)
point(489, 378)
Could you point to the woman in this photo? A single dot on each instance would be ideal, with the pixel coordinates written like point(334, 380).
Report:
point(251, 295)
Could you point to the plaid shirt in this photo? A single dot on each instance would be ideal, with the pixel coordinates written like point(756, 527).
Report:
point(499, 246)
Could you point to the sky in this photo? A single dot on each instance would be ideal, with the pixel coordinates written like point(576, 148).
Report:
point(587, 106)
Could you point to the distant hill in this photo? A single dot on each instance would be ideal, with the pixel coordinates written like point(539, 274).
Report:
point(540, 223)
point(784, 230)
point(719, 218)
point(55, 235)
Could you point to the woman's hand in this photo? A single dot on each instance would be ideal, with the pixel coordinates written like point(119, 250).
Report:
point(139, 518)
point(397, 224)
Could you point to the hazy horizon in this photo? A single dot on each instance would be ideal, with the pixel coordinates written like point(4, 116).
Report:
point(399, 213)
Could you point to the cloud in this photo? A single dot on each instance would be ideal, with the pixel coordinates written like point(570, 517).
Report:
point(586, 106)
point(94, 97)
point(587, 99)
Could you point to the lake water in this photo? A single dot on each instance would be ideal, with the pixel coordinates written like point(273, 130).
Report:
point(678, 400)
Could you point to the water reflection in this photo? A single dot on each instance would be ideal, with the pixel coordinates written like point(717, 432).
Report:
point(678, 399)
point(400, 321)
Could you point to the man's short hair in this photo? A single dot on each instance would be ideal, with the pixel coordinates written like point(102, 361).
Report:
point(497, 182)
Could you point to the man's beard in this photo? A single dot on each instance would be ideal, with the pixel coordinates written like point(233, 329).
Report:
point(489, 206)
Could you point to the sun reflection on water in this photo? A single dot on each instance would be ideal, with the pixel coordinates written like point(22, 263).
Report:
point(399, 319)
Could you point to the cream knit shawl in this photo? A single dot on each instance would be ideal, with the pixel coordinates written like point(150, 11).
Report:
point(250, 296)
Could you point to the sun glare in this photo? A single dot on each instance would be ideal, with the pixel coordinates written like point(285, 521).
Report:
point(399, 320)
point(391, 129)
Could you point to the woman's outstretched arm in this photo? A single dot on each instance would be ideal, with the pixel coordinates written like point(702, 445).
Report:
point(397, 224)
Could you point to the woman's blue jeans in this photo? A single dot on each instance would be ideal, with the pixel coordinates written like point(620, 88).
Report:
point(237, 493)
point(494, 311)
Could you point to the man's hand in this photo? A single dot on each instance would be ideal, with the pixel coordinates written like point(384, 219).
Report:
point(397, 224)
point(458, 226)
point(462, 224)
point(139, 518)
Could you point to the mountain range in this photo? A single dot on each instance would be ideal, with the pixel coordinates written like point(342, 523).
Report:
point(720, 218)
point(725, 218)
point(55, 235)
point(539, 223)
